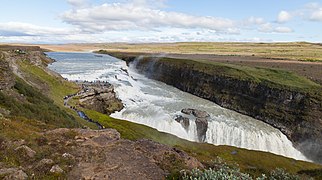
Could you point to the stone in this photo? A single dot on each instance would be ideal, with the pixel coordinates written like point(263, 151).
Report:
point(26, 151)
point(100, 98)
point(195, 112)
point(202, 126)
point(184, 121)
point(187, 111)
point(200, 114)
point(56, 169)
point(201, 121)
point(17, 175)
point(45, 162)
point(68, 156)
point(233, 152)
point(6, 171)
point(44, 165)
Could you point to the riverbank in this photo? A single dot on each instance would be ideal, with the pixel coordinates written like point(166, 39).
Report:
point(98, 96)
point(282, 99)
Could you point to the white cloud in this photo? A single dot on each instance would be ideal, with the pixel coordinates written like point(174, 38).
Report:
point(269, 28)
point(139, 21)
point(253, 21)
point(149, 3)
point(30, 29)
point(283, 17)
point(309, 12)
point(78, 3)
point(283, 30)
point(316, 15)
point(127, 16)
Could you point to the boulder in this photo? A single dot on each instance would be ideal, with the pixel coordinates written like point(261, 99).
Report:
point(56, 170)
point(195, 112)
point(7, 171)
point(201, 121)
point(187, 111)
point(202, 126)
point(184, 121)
point(200, 114)
point(17, 175)
point(68, 156)
point(26, 151)
point(102, 99)
point(44, 165)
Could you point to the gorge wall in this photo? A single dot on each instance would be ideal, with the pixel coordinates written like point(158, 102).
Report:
point(297, 114)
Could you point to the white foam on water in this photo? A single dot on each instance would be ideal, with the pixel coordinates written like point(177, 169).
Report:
point(156, 104)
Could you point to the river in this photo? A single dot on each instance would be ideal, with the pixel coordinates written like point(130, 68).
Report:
point(156, 104)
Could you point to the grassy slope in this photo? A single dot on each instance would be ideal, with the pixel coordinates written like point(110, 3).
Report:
point(253, 162)
point(34, 105)
point(34, 109)
point(293, 51)
point(273, 77)
point(58, 88)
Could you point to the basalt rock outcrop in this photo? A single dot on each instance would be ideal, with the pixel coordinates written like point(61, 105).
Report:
point(195, 112)
point(202, 126)
point(201, 119)
point(7, 79)
point(297, 114)
point(100, 97)
point(184, 121)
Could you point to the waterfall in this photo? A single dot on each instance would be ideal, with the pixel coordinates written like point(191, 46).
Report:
point(156, 104)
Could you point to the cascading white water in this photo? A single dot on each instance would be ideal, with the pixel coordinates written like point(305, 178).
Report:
point(156, 104)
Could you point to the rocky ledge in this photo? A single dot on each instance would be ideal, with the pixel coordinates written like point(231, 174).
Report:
point(98, 96)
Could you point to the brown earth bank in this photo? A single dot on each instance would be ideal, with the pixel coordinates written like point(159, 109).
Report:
point(297, 114)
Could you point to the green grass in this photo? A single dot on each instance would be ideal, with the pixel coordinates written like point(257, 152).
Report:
point(253, 162)
point(275, 78)
point(58, 88)
point(35, 106)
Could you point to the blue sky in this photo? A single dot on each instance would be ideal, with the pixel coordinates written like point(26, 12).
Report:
point(81, 21)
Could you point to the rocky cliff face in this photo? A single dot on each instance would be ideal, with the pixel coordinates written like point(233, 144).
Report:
point(100, 97)
point(298, 115)
point(6, 76)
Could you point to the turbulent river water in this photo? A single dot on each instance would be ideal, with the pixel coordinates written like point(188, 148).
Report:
point(156, 104)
